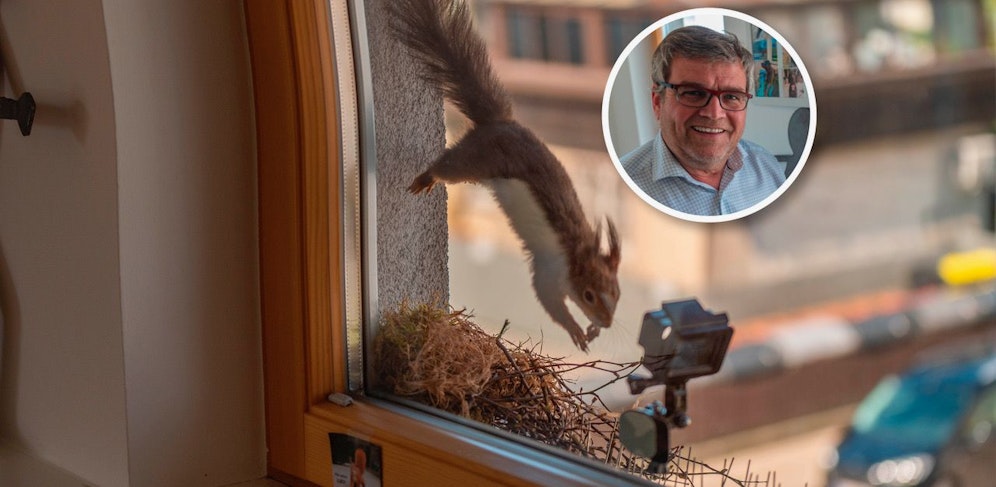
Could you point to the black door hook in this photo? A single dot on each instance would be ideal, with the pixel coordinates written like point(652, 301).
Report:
point(21, 109)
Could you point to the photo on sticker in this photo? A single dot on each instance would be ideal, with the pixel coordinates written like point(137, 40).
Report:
point(355, 462)
point(709, 115)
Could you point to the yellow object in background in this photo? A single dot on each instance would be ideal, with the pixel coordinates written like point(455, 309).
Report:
point(962, 268)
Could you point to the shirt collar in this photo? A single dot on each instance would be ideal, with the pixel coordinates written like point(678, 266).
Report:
point(666, 164)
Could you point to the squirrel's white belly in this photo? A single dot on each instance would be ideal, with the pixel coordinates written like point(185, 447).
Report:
point(548, 262)
point(526, 216)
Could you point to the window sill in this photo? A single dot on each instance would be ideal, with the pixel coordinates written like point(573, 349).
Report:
point(419, 448)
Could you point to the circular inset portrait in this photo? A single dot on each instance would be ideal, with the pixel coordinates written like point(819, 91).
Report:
point(709, 115)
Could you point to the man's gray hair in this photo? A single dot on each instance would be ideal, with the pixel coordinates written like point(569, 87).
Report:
point(703, 44)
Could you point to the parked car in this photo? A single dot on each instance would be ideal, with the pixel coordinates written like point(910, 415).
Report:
point(932, 425)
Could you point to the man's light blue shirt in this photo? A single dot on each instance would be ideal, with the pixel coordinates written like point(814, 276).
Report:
point(751, 174)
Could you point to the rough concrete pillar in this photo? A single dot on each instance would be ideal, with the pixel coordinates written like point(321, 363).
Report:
point(411, 229)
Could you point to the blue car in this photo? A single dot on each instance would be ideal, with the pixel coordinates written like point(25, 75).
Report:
point(933, 425)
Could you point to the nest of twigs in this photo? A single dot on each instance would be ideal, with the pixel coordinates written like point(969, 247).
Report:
point(439, 357)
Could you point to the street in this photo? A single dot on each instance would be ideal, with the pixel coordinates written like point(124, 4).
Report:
point(794, 452)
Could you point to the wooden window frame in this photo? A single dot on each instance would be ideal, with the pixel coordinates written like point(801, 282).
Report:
point(301, 287)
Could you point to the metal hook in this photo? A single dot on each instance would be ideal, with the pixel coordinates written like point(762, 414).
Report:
point(21, 109)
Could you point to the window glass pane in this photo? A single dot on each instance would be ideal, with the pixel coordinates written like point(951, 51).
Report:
point(884, 35)
point(574, 45)
point(544, 35)
point(893, 34)
point(902, 173)
point(564, 39)
point(828, 43)
point(526, 34)
point(619, 30)
point(958, 25)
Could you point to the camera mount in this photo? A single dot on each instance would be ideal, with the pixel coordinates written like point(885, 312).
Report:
point(681, 341)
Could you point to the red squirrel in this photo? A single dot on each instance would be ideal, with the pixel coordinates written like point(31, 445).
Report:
point(528, 182)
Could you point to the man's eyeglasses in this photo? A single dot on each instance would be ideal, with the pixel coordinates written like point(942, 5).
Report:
point(698, 97)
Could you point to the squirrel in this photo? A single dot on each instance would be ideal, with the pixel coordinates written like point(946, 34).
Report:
point(528, 182)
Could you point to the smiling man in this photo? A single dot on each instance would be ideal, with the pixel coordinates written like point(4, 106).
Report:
point(698, 164)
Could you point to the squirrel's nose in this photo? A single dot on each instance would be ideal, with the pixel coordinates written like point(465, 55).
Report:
point(609, 303)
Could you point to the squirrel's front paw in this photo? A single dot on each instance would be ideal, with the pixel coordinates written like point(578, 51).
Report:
point(423, 182)
point(580, 340)
point(593, 331)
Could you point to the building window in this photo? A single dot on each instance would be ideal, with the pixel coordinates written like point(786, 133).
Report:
point(880, 36)
point(545, 36)
point(957, 26)
point(620, 30)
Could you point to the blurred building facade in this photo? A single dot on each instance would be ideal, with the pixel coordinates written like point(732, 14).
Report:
point(898, 84)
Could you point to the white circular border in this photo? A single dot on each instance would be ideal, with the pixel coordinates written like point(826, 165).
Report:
point(811, 96)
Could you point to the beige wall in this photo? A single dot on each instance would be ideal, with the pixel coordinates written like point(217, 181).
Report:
point(62, 393)
point(128, 257)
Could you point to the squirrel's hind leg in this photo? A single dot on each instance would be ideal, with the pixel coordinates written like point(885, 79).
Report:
point(422, 182)
point(475, 158)
point(442, 169)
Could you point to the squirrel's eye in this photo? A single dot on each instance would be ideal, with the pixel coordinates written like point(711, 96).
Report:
point(589, 297)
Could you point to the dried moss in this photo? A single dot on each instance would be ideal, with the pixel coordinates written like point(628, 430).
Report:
point(434, 355)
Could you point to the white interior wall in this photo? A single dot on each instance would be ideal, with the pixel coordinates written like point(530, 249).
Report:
point(630, 111)
point(62, 394)
point(128, 259)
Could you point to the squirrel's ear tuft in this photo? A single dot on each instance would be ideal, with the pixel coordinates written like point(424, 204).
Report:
point(612, 258)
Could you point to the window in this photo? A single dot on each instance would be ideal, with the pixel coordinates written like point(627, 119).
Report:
point(525, 34)
point(306, 141)
point(893, 34)
point(553, 36)
point(620, 29)
point(310, 198)
point(959, 26)
point(882, 35)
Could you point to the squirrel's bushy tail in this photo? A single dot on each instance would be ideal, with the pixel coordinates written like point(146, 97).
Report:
point(441, 35)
